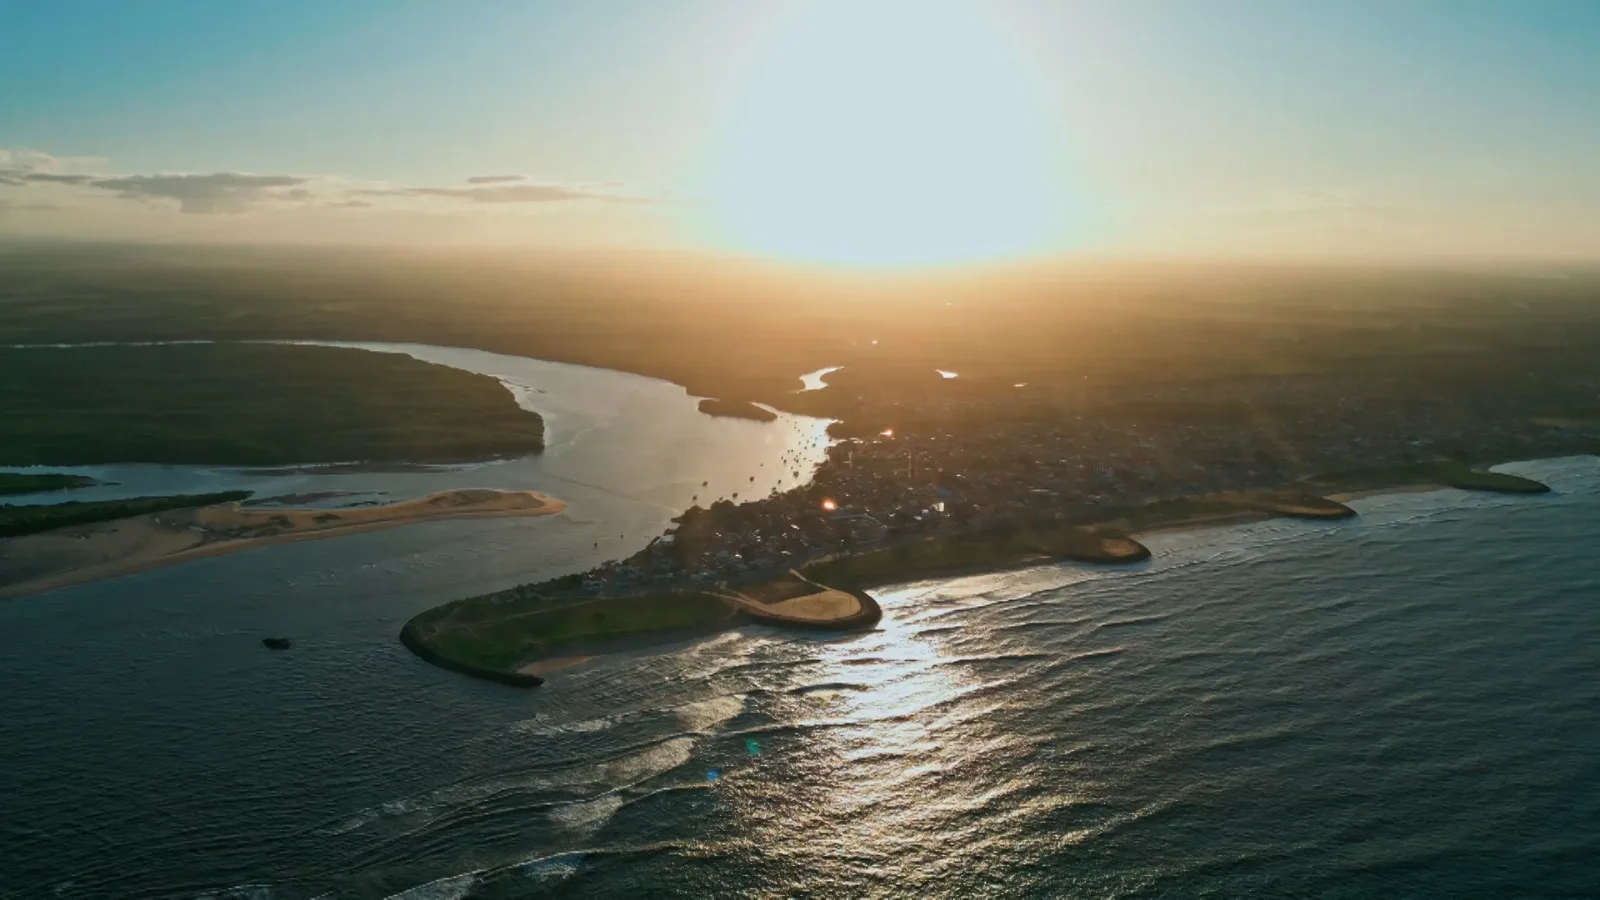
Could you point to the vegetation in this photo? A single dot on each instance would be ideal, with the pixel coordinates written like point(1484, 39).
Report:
point(249, 404)
point(736, 409)
point(1473, 340)
point(16, 521)
point(22, 483)
point(1012, 544)
point(499, 636)
point(1447, 473)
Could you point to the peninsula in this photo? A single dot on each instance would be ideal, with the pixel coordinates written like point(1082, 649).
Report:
point(154, 532)
point(805, 558)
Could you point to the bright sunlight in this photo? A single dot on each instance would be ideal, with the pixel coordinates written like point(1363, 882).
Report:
point(891, 133)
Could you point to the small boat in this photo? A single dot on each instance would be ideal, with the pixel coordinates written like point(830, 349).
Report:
point(276, 643)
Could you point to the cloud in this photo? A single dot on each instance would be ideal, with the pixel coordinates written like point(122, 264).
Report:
point(515, 193)
point(17, 162)
point(222, 192)
point(236, 192)
point(53, 178)
point(27, 207)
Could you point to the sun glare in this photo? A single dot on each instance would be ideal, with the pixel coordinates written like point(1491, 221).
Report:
point(885, 133)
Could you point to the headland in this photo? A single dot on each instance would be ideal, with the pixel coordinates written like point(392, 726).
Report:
point(791, 562)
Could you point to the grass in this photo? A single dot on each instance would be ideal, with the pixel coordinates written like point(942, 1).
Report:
point(250, 404)
point(1000, 547)
point(502, 636)
point(21, 483)
point(1448, 473)
point(16, 521)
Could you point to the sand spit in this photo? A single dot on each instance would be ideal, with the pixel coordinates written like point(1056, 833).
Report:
point(69, 556)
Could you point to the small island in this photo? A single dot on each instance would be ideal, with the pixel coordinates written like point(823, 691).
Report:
point(736, 409)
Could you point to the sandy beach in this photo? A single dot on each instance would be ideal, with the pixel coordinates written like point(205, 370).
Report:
point(69, 556)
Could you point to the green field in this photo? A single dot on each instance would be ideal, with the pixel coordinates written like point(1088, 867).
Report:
point(1010, 545)
point(16, 521)
point(20, 483)
point(1449, 474)
point(250, 404)
point(481, 633)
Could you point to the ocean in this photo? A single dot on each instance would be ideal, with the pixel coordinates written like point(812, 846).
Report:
point(1406, 704)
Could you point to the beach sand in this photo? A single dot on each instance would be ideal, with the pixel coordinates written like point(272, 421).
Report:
point(823, 606)
point(69, 556)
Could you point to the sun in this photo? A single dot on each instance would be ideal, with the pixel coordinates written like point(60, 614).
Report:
point(884, 133)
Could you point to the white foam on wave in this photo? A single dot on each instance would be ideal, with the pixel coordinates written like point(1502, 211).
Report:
point(648, 763)
point(540, 726)
point(455, 887)
point(703, 714)
point(587, 816)
point(553, 868)
point(237, 892)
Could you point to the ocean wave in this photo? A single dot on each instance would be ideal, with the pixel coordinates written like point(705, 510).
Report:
point(558, 867)
point(587, 816)
point(1132, 621)
point(453, 887)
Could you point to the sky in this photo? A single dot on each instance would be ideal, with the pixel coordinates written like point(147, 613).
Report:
point(877, 133)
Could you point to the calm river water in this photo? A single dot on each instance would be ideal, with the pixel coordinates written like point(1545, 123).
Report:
point(1401, 705)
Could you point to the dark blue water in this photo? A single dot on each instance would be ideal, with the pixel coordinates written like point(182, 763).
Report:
point(1401, 705)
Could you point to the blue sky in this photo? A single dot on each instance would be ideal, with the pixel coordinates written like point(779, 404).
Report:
point(1160, 127)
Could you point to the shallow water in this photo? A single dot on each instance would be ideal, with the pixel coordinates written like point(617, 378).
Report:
point(1402, 705)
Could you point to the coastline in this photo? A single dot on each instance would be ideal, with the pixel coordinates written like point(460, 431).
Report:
point(1110, 539)
point(1397, 489)
point(153, 541)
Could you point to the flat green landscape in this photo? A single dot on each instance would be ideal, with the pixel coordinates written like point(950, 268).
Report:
point(494, 634)
point(1448, 473)
point(13, 483)
point(250, 404)
point(16, 521)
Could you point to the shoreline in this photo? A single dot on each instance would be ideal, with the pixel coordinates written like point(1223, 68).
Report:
point(157, 538)
point(1114, 537)
point(1397, 489)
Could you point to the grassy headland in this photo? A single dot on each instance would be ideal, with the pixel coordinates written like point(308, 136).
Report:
point(1020, 543)
point(510, 635)
point(250, 404)
point(25, 483)
point(1444, 473)
point(497, 634)
point(16, 521)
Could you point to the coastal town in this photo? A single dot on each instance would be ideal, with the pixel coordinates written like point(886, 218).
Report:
point(973, 460)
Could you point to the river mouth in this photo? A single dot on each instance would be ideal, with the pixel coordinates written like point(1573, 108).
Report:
point(627, 436)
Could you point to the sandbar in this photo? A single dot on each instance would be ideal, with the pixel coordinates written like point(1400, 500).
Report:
point(75, 555)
